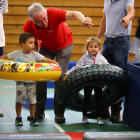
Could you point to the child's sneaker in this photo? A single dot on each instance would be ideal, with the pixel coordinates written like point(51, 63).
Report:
point(100, 123)
point(85, 121)
point(33, 121)
point(18, 121)
point(1, 114)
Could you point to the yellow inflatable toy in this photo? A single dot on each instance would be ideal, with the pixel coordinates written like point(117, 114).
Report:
point(29, 71)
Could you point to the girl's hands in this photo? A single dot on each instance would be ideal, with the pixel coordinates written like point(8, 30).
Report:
point(64, 78)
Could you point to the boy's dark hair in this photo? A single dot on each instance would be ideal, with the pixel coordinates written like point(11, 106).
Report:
point(24, 36)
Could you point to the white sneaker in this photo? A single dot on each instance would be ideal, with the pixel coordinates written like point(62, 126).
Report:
point(99, 121)
point(85, 121)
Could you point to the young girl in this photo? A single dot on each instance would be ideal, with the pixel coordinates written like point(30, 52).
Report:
point(26, 88)
point(93, 56)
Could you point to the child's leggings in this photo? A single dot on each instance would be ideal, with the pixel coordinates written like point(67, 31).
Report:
point(98, 99)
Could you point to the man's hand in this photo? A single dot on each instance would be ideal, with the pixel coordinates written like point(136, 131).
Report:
point(129, 17)
point(64, 78)
point(127, 22)
point(87, 22)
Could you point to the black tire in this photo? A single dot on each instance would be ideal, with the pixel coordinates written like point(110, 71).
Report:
point(113, 79)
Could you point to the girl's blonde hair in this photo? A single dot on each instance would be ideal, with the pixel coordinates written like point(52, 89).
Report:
point(92, 39)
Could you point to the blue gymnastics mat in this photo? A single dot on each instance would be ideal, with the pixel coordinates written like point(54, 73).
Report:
point(112, 135)
point(35, 136)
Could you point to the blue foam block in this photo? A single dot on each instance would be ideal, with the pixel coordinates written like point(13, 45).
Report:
point(71, 64)
point(123, 100)
point(49, 103)
point(50, 84)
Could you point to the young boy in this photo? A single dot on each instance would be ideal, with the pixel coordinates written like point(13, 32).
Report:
point(23, 88)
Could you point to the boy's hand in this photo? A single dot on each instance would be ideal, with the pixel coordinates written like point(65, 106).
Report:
point(64, 78)
point(57, 63)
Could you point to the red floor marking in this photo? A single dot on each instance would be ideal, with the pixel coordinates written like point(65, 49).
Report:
point(75, 135)
point(10, 109)
point(7, 109)
point(8, 92)
point(8, 86)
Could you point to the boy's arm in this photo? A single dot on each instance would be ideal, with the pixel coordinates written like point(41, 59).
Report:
point(47, 60)
point(5, 56)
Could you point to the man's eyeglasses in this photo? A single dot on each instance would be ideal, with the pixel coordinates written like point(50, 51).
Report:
point(41, 22)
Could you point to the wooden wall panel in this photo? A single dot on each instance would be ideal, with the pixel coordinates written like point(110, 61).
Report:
point(20, 20)
point(92, 12)
point(68, 3)
point(80, 30)
point(14, 39)
point(18, 15)
point(23, 10)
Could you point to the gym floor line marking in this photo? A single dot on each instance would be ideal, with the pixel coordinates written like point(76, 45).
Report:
point(8, 86)
point(10, 109)
point(77, 119)
point(9, 118)
point(55, 124)
point(7, 92)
